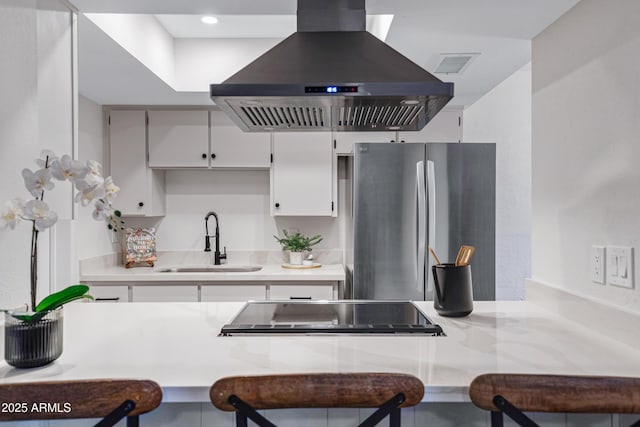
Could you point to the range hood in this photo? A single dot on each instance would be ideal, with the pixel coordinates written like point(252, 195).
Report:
point(331, 75)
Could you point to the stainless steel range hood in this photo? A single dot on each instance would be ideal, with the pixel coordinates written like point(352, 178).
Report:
point(331, 75)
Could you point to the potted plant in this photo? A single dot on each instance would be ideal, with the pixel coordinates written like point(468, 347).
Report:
point(297, 244)
point(33, 335)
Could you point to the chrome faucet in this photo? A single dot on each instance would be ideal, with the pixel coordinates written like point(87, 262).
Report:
point(217, 256)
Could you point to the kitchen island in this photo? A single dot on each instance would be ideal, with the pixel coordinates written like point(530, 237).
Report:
point(177, 345)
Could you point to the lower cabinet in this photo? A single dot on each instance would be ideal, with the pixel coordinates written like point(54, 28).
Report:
point(301, 292)
point(165, 293)
point(109, 293)
point(212, 293)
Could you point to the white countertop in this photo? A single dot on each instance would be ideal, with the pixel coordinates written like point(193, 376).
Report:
point(176, 345)
point(268, 273)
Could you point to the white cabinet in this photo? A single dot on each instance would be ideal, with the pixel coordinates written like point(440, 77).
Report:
point(141, 189)
point(446, 126)
point(303, 174)
point(165, 293)
point(109, 293)
point(232, 292)
point(345, 140)
point(178, 138)
point(233, 148)
point(301, 292)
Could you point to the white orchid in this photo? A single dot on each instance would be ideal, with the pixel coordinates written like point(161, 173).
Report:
point(46, 158)
point(38, 181)
point(65, 168)
point(11, 213)
point(110, 189)
point(88, 193)
point(94, 176)
point(38, 211)
point(88, 180)
point(102, 210)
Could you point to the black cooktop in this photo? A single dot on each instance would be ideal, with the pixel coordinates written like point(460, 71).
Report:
point(330, 317)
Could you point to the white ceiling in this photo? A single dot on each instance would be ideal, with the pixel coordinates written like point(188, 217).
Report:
point(500, 30)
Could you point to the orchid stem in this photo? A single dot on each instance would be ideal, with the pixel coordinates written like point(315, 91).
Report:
point(34, 265)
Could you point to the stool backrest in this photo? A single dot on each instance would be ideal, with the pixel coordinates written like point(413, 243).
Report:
point(558, 393)
point(78, 399)
point(330, 390)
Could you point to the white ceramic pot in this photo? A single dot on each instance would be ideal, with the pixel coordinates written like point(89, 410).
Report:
point(295, 258)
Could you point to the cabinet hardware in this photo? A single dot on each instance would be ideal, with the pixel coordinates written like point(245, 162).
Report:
point(299, 297)
point(204, 155)
point(331, 206)
point(277, 205)
point(140, 204)
point(334, 144)
point(213, 156)
point(271, 157)
point(108, 299)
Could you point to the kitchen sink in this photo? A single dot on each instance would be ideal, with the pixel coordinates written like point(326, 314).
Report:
point(212, 269)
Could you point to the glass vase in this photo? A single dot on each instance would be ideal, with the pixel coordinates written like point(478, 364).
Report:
point(29, 344)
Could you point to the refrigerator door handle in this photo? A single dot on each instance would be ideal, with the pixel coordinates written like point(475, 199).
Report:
point(431, 197)
point(421, 243)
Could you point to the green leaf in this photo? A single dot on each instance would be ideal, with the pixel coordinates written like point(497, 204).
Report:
point(62, 297)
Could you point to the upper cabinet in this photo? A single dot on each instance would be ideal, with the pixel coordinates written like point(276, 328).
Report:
point(303, 174)
point(233, 148)
point(178, 139)
point(345, 140)
point(446, 126)
point(141, 189)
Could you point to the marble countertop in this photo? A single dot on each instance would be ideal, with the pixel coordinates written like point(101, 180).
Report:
point(268, 273)
point(106, 270)
point(177, 345)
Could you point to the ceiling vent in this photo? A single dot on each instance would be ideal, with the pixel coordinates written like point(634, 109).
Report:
point(454, 63)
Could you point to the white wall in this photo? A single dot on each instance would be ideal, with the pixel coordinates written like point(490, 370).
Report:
point(503, 116)
point(241, 200)
point(143, 37)
point(586, 179)
point(90, 147)
point(35, 47)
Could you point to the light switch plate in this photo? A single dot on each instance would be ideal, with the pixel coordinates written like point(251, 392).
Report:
point(619, 268)
point(598, 264)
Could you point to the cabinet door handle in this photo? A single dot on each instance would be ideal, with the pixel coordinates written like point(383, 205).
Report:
point(204, 155)
point(140, 204)
point(213, 156)
point(300, 298)
point(277, 205)
point(108, 299)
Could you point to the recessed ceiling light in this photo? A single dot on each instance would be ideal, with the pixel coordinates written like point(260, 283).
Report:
point(209, 20)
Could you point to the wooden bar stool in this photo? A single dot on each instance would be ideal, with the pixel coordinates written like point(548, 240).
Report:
point(387, 392)
point(111, 400)
point(513, 393)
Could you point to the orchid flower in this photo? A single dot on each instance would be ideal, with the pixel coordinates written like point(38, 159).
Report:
point(94, 176)
point(37, 182)
point(87, 192)
point(66, 168)
point(38, 211)
point(102, 210)
point(11, 214)
point(111, 190)
point(46, 158)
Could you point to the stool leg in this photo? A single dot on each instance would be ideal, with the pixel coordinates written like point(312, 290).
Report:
point(394, 418)
point(241, 420)
point(497, 419)
point(133, 421)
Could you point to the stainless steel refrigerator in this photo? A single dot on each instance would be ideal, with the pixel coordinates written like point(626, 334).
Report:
point(407, 197)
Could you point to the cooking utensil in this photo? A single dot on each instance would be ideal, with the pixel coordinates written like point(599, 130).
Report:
point(433, 254)
point(464, 255)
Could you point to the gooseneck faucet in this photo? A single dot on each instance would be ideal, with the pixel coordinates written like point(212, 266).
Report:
point(217, 256)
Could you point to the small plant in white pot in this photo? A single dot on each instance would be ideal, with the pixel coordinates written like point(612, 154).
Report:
point(297, 244)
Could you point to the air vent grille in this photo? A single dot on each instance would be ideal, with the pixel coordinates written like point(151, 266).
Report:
point(285, 117)
point(372, 116)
